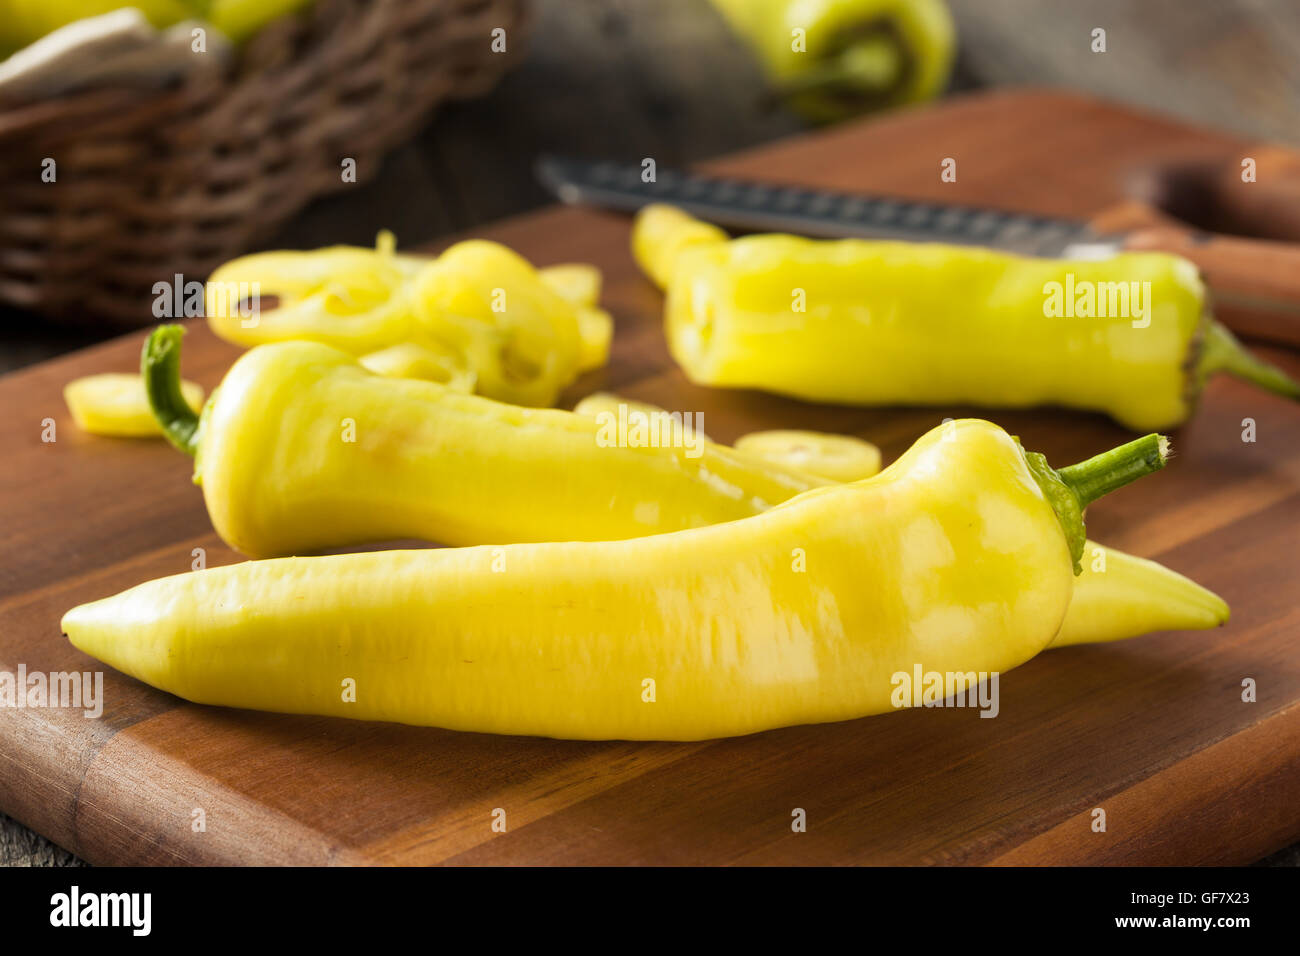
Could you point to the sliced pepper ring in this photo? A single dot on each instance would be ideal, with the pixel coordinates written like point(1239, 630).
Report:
point(522, 339)
point(349, 297)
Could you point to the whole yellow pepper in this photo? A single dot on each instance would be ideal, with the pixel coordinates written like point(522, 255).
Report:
point(301, 448)
point(863, 322)
point(832, 59)
point(956, 559)
point(662, 233)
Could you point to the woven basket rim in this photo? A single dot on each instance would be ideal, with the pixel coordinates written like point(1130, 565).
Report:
point(153, 181)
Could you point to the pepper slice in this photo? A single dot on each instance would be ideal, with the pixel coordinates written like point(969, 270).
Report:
point(837, 457)
point(518, 334)
point(426, 361)
point(523, 340)
point(352, 298)
point(595, 336)
point(575, 282)
point(953, 560)
point(116, 405)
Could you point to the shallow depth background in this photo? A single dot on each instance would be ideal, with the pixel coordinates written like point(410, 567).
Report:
point(664, 78)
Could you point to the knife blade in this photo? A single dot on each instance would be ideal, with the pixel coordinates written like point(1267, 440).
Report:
point(750, 205)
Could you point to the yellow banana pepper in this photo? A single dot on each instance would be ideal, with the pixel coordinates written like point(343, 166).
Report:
point(301, 448)
point(861, 322)
point(662, 233)
point(23, 22)
point(956, 559)
point(831, 59)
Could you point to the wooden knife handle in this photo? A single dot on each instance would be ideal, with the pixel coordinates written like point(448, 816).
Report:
point(1252, 192)
point(1254, 283)
point(1269, 206)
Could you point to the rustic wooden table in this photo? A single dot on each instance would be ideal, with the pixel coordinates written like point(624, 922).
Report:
point(662, 78)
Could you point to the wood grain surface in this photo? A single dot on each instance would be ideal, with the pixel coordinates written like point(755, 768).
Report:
point(1152, 730)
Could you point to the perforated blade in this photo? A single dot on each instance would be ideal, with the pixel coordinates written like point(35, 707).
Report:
point(751, 206)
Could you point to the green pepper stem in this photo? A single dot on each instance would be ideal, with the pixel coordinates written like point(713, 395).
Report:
point(1071, 489)
point(1102, 474)
point(872, 65)
point(1222, 352)
point(160, 367)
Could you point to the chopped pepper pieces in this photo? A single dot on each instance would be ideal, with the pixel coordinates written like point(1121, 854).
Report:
point(517, 333)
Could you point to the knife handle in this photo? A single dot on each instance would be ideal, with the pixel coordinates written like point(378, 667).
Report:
point(1254, 283)
point(1269, 207)
point(1210, 193)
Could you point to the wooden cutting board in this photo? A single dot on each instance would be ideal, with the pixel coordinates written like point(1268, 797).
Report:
point(1154, 731)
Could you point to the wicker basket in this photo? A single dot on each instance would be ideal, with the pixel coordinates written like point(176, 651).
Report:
point(155, 183)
